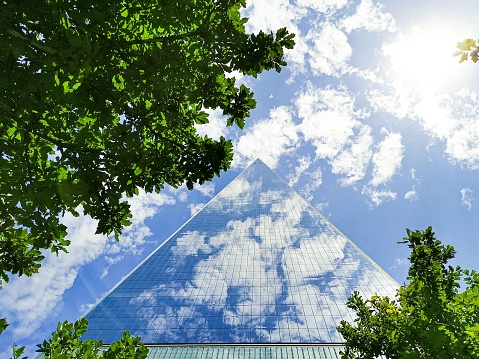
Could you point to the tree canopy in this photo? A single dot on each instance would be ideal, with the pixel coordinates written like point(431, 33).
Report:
point(100, 98)
point(429, 318)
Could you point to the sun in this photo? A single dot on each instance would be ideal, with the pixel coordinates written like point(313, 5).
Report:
point(422, 58)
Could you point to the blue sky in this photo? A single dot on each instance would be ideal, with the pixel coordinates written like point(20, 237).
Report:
point(372, 121)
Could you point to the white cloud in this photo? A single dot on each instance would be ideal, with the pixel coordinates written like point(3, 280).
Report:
point(269, 139)
point(377, 197)
point(285, 15)
point(399, 101)
point(387, 159)
point(206, 189)
point(303, 164)
point(321, 207)
point(413, 173)
point(370, 17)
point(259, 13)
point(325, 6)
point(296, 57)
point(330, 51)
point(313, 184)
point(328, 118)
point(453, 120)
point(450, 118)
point(180, 193)
point(354, 160)
point(369, 75)
point(412, 195)
point(28, 301)
point(399, 262)
point(466, 197)
point(331, 123)
point(146, 205)
point(417, 93)
point(215, 128)
point(463, 144)
point(195, 208)
point(435, 116)
point(183, 196)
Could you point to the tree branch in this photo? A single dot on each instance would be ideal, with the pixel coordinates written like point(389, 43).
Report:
point(163, 39)
point(36, 44)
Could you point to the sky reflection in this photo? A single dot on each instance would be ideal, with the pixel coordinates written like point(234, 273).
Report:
point(257, 264)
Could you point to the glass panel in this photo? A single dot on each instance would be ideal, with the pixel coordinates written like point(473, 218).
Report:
point(257, 264)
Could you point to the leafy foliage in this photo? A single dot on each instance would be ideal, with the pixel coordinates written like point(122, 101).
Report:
point(65, 343)
point(100, 98)
point(17, 352)
point(429, 318)
point(467, 49)
point(3, 324)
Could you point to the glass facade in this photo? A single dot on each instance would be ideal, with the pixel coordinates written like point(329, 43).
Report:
point(257, 264)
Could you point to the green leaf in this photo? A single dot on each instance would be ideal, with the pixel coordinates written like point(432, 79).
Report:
point(18, 351)
point(3, 324)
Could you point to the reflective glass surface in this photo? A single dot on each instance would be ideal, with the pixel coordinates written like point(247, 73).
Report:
point(257, 264)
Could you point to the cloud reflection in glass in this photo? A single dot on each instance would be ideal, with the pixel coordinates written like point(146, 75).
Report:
point(257, 264)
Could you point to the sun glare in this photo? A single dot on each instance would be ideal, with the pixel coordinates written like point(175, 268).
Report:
point(423, 58)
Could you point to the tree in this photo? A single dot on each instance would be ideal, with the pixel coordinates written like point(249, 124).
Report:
point(429, 318)
point(65, 343)
point(467, 49)
point(100, 98)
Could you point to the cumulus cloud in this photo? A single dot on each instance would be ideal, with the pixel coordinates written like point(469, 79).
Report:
point(259, 15)
point(413, 195)
point(215, 128)
point(325, 6)
point(353, 161)
point(416, 92)
point(303, 164)
point(328, 118)
point(434, 116)
point(453, 120)
point(206, 189)
point(313, 178)
point(285, 15)
point(28, 301)
point(370, 17)
point(466, 197)
point(377, 197)
point(269, 139)
point(321, 207)
point(399, 102)
point(195, 208)
point(331, 123)
point(387, 159)
point(313, 184)
point(386, 163)
point(462, 144)
point(296, 58)
point(330, 52)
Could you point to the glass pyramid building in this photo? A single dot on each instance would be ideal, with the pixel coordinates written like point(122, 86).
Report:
point(257, 265)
